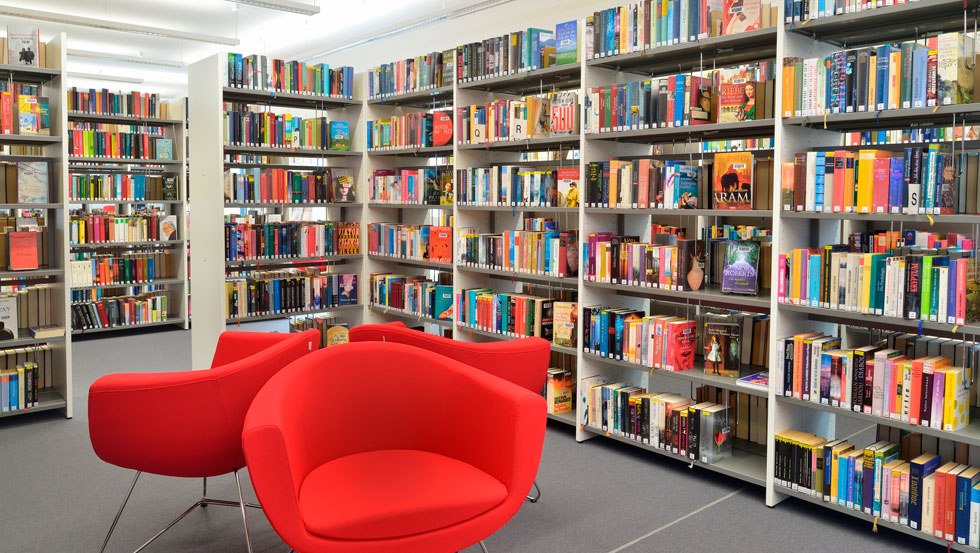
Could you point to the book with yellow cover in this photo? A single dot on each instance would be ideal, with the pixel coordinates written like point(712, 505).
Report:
point(28, 115)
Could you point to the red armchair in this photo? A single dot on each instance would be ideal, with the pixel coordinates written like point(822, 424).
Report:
point(386, 448)
point(523, 361)
point(189, 423)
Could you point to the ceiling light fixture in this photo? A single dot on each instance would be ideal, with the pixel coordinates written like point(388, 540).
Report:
point(72, 53)
point(101, 77)
point(281, 5)
point(119, 26)
point(487, 4)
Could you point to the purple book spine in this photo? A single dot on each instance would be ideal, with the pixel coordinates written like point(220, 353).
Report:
point(938, 386)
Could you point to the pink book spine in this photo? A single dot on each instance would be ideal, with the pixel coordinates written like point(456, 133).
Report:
point(894, 407)
point(781, 293)
point(886, 496)
point(961, 267)
point(938, 389)
point(896, 485)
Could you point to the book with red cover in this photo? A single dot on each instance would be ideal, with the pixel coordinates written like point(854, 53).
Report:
point(731, 187)
point(442, 128)
point(681, 339)
point(23, 250)
point(441, 244)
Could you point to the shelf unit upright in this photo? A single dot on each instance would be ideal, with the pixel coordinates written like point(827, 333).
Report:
point(177, 287)
point(427, 99)
point(209, 91)
point(54, 151)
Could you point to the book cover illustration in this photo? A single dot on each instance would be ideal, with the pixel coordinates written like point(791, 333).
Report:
point(731, 186)
point(8, 317)
point(740, 272)
point(741, 15)
point(442, 128)
point(338, 334)
point(568, 186)
point(722, 346)
point(561, 390)
point(28, 114)
point(444, 302)
point(168, 227)
point(169, 186)
point(343, 186)
point(566, 319)
point(165, 148)
point(564, 113)
point(736, 99)
point(446, 188)
point(23, 45)
point(759, 381)
point(955, 69)
point(681, 340)
point(44, 116)
point(548, 45)
point(538, 117)
point(441, 244)
point(683, 179)
point(566, 42)
point(348, 289)
point(339, 135)
point(32, 182)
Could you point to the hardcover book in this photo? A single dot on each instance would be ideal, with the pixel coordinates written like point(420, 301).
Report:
point(564, 113)
point(736, 99)
point(740, 272)
point(339, 135)
point(722, 347)
point(165, 148)
point(442, 128)
point(741, 15)
point(32, 182)
point(22, 250)
point(169, 186)
point(732, 183)
point(28, 114)
point(168, 227)
point(566, 42)
point(955, 67)
point(8, 317)
point(23, 45)
point(566, 319)
point(568, 186)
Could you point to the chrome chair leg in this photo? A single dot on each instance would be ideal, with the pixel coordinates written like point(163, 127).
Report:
point(204, 492)
point(534, 497)
point(241, 499)
point(483, 546)
point(120, 512)
point(169, 526)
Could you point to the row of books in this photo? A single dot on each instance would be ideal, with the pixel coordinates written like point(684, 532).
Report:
point(262, 185)
point(517, 52)
point(540, 249)
point(412, 130)
point(935, 72)
point(24, 249)
point(803, 10)
point(245, 127)
point(513, 185)
point(433, 70)
point(428, 186)
point(516, 315)
point(20, 388)
point(122, 186)
point(128, 104)
point(332, 331)
point(926, 180)
point(25, 182)
point(259, 72)
point(933, 285)
point(288, 291)
point(876, 137)
point(150, 307)
point(649, 24)
point(26, 307)
point(414, 295)
point(112, 141)
point(923, 493)
point(126, 268)
point(728, 180)
point(543, 116)
point(904, 377)
point(254, 240)
point(104, 227)
point(421, 242)
point(24, 111)
point(730, 95)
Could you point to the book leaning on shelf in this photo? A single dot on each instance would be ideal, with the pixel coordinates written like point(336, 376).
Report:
point(656, 23)
point(516, 315)
point(420, 242)
point(539, 249)
point(517, 52)
point(258, 72)
point(265, 237)
point(246, 125)
point(547, 115)
point(513, 185)
point(332, 331)
point(87, 269)
point(118, 141)
point(23, 110)
point(25, 373)
point(122, 186)
point(129, 104)
point(411, 130)
point(414, 295)
point(286, 291)
point(150, 307)
point(104, 227)
point(428, 186)
point(317, 185)
point(24, 242)
point(432, 70)
point(938, 71)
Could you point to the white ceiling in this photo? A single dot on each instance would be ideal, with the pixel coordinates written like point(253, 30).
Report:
point(261, 31)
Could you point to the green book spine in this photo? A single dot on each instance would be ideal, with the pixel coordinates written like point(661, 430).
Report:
point(925, 303)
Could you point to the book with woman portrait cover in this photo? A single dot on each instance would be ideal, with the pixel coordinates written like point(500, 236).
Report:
point(737, 94)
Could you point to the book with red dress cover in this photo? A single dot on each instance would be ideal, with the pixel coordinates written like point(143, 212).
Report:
point(731, 186)
point(681, 340)
point(441, 244)
point(737, 95)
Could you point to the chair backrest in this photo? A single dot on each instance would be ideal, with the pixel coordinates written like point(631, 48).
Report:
point(523, 361)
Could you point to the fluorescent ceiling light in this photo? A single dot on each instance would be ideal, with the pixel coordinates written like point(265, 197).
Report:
point(281, 5)
point(122, 57)
point(66, 19)
point(485, 5)
point(101, 77)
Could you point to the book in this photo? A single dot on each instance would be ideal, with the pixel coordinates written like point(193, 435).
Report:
point(28, 115)
point(568, 186)
point(722, 349)
point(9, 322)
point(680, 345)
point(168, 227)
point(338, 334)
point(741, 15)
point(342, 190)
point(740, 272)
point(32, 182)
point(566, 320)
point(339, 135)
point(732, 183)
point(759, 381)
point(47, 331)
point(560, 391)
point(168, 187)
point(23, 45)
point(737, 95)
point(23, 250)
point(165, 148)
point(442, 128)
point(566, 42)
point(717, 437)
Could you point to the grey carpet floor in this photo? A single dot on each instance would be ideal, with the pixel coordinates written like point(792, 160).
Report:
point(599, 497)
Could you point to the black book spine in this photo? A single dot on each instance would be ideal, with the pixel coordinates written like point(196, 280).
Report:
point(788, 368)
point(857, 381)
point(913, 286)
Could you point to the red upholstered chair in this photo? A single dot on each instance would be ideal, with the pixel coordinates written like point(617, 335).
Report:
point(189, 423)
point(386, 448)
point(523, 361)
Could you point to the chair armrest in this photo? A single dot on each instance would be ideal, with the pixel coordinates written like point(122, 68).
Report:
point(275, 481)
point(234, 345)
point(171, 424)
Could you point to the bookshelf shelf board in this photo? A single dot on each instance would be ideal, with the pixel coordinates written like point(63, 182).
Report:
point(122, 119)
point(878, 321)
point(28, 73)
point(518, 276)
point(418, 98)
point(120, 161)
point(969, 434)
point(430, 151)
point(528, 144)
point(258, 263)
point(273, 316)
point(124, 202)
point(742, 465)
point(39, 140)
point(546, 163)
point(891, 118)
point(405, 315)
point(707, 296)
point(47, 401)
point(900, 147)
point(170, 321)
point(696, 375)
point(710, 131)
point(32, 273)
point(568, 417)
point(157, 282)
point(285, 99)
point(262, 165)
point(31, 206)
point(560, 76)
point(342, 205)
point(468, 330)
point(145, 244)
point(870, 519)
point(288, 152)
point(721, 50)
point(425, 207)
point(517, 209)
point(27, 340)
point(896, 217)
point(15, 158)
point(412, 262)
point(884, 24)
point(744, 213)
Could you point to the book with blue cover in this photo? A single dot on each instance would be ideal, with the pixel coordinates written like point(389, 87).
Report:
point(566, 42)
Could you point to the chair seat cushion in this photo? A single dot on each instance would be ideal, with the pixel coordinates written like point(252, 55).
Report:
point(394, 493)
